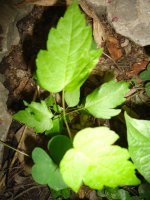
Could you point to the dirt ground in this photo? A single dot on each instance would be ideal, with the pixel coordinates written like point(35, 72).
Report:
point(122, 56)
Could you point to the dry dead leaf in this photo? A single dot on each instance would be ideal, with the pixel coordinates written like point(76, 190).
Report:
point(27, 141)
point(137, 68)
point(114, 48)
point(98, 29)
point(86, 192)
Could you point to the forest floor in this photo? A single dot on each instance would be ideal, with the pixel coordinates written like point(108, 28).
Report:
point(121, 56)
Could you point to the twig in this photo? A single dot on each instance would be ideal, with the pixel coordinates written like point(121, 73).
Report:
point(112, 60)
point(2, 181)
point(16, 150)
point(24, 131)
point(27, 190)
point(19, 146)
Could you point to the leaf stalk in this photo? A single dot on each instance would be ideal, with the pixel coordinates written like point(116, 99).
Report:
point(64, 114)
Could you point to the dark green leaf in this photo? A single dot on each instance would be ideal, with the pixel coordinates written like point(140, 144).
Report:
point(144, 191)
point(58, 146)
point(145, 75)
point(147, 88)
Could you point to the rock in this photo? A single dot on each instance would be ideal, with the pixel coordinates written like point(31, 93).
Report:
point(99, 6)
point(5, 118)
point(133, 19)
point(10, 14)
point(129, 18)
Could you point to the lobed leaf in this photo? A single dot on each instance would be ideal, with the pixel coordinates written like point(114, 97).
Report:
point(45, 171)
point(139, 144)
point(145, 75)
point(96, 162)
point(102, 101)
point(68, 59)
point(36, 115)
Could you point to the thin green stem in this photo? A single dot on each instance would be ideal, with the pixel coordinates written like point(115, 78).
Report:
point(74, 111)
point(68, 113)
point(64, 114)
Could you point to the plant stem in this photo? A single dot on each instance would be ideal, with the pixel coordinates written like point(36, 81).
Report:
point(64, 114)
point(74, 111)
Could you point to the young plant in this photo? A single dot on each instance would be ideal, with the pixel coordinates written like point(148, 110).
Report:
point(91, 157)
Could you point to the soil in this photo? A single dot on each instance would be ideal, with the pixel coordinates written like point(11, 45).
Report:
point(19, 68)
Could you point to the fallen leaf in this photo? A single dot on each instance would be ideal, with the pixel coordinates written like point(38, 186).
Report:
point(114, 48)
point(27, 141)
point(137, 68)
point(98, 32)
point(98, 29)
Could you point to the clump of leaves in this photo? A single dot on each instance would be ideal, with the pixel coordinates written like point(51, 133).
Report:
point(117, 194)
point(145, 76)
point(91, 157)
point(126, 193)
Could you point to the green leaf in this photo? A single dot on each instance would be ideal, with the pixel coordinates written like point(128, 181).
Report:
point(145, 75)
point(147, 88)
point(68, 59)
point(102, 101)
point(57, 127)
point(139, 144)
point(36, 115)
point(72, 98)
point(65, 193)
point(144, 191)
point(117, 194)
point(50, 101)
point(45, 171)
point(58, 146)
point(96, 162)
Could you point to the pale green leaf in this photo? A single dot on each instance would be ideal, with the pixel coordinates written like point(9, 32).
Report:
point(102, 101)
point(139, 144)
point(36, 115)
point(45, 171)
point(72, 98)
point(96, 162)
point(68, 59)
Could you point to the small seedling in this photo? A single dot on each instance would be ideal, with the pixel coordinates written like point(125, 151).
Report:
point(90, 157)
